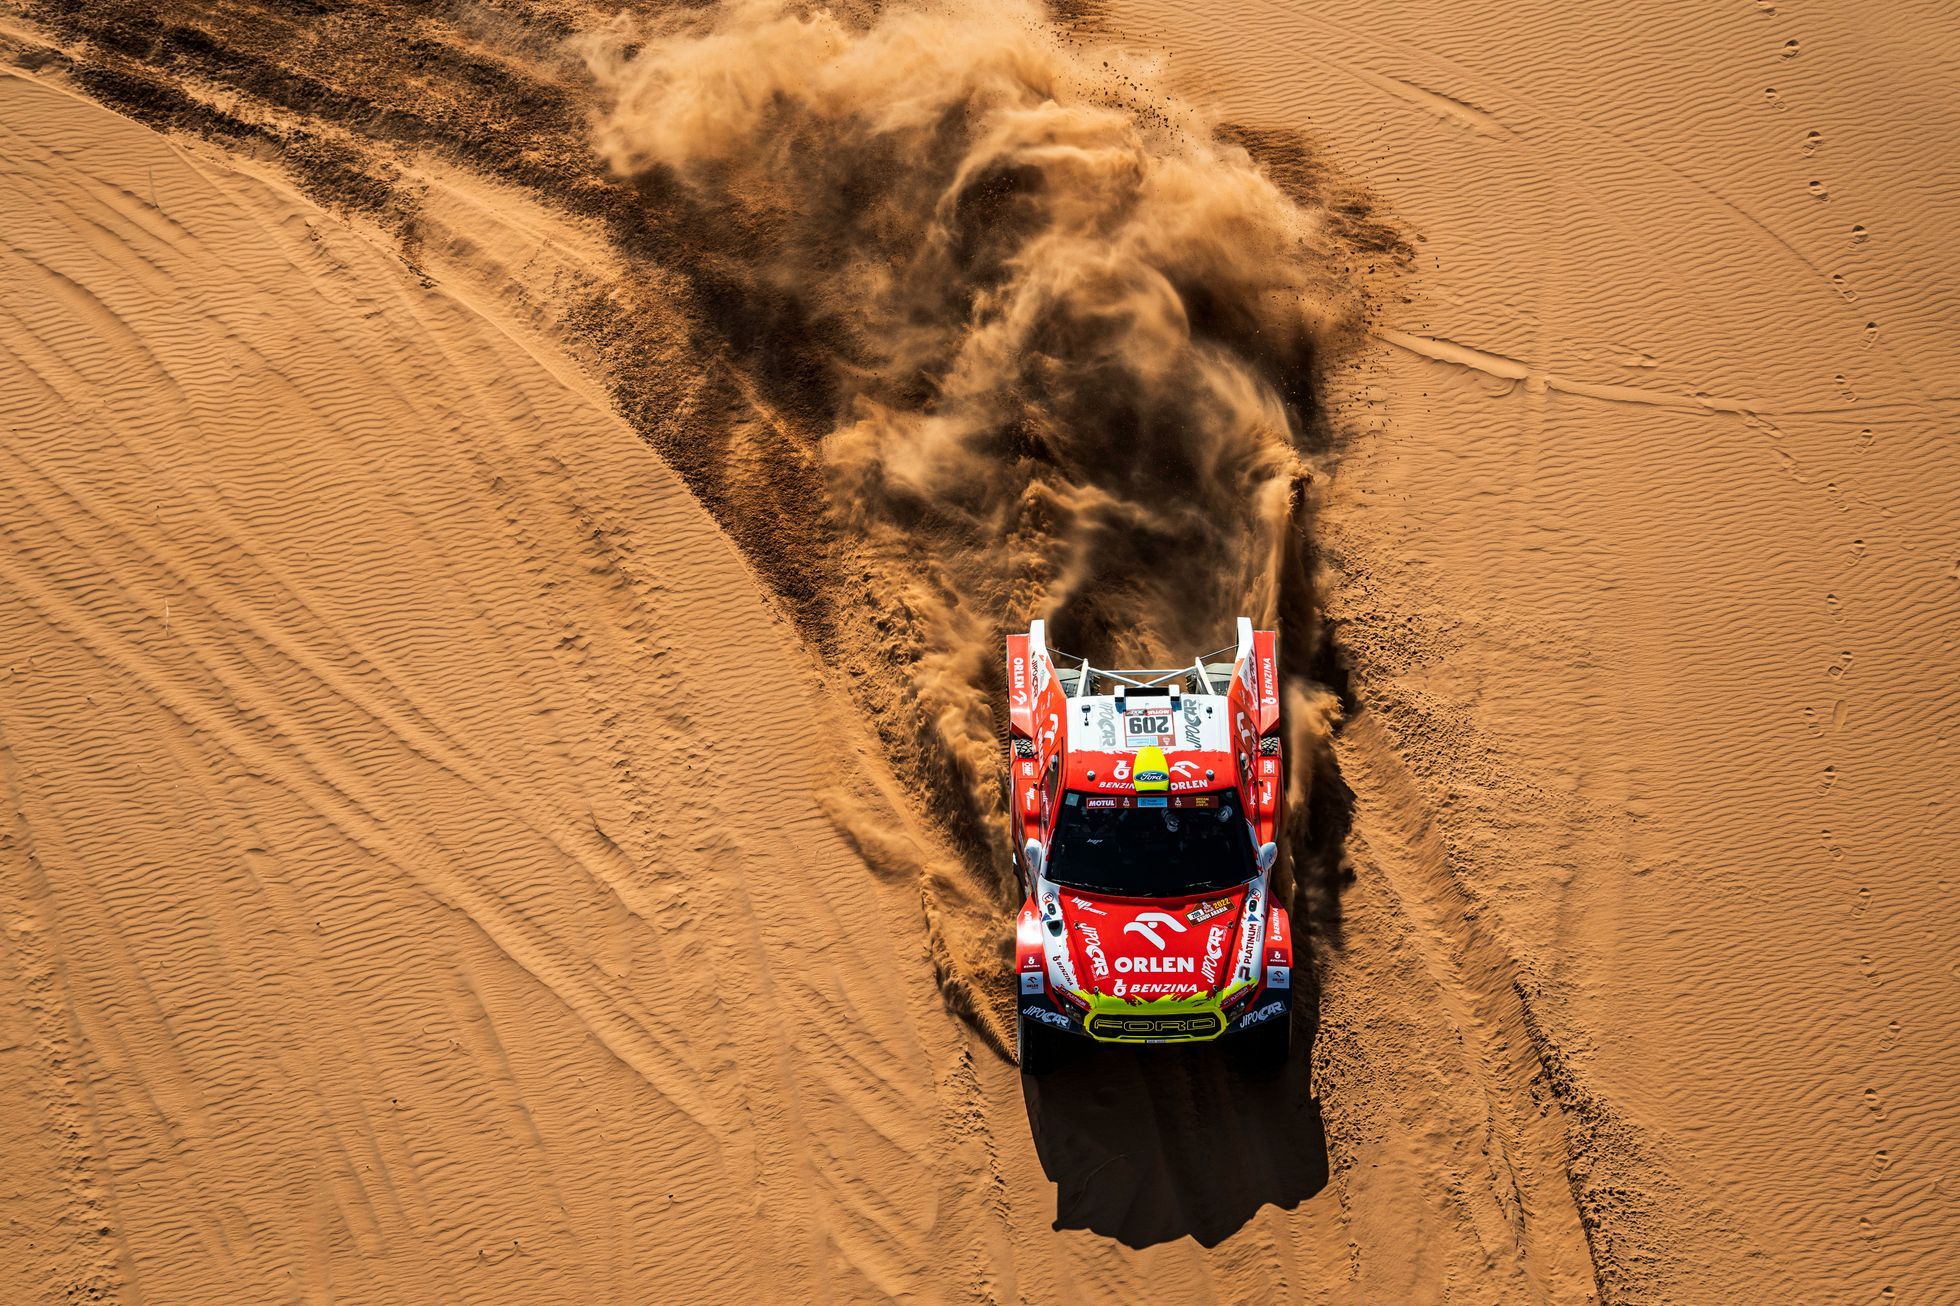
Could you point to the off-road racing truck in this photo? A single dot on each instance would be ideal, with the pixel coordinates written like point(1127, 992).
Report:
point(1145, 808)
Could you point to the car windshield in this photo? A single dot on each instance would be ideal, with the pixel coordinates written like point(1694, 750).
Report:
point(1151, 852)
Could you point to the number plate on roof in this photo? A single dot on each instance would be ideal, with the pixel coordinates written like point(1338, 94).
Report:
point(1145, 727)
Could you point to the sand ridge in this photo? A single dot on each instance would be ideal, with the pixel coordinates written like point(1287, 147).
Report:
point(372, 819)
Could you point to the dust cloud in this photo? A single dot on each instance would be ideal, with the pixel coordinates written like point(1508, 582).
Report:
point(1073, 342)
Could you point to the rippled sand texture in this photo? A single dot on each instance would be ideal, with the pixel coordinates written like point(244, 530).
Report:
point(1649, 577)
point(466, 828)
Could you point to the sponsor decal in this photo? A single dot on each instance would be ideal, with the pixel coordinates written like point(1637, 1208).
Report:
point(1047, 1017)
point(1204, 911)
point(1049, 731)
point(1202, 800)
point(1160, 989)
point(1264, 1014)
point(1083, 904)
point(1253, 933)
point(1214, 952)
point(1149, 727)
point(1143, 925)
point(1152, 800)
point(1030, 981)
point(1158, 965)
point(1268, 692)
point(1019, 671)
point(1118, 988)
point(1184, 768)
point(1106, 726)
point(1041, 674)
point(1102, 802)
point(1121, 771)
point(1193, 726)
point(1244, 725)
point(1279, 977)
point(1092, 949)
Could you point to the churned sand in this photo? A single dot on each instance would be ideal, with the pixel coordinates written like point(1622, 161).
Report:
point(499, 647)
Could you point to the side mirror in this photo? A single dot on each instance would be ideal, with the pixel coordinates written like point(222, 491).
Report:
point(1032, 857)
point(1268, 854)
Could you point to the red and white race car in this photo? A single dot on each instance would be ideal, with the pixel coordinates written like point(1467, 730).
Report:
point(1145, 809)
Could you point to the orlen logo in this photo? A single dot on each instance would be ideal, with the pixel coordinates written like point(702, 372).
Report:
point(1020, 673)
point(1158, 965)
point(1141, 925)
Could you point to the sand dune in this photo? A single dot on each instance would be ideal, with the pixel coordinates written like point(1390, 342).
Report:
point(375, 927)
point(476, 827)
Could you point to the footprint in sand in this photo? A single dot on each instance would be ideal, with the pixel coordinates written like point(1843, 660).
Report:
point(1771, 98)
point(1873, 1104)
point(1839, 667)
point(1811, 142)
point(1871, 334)
point(1790, 49)
point(1859, 235)
point(1818, 190)
point(1864, 900)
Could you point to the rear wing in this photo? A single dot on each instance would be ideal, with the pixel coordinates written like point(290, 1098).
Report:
point(1040, 682)
point(1251, 675)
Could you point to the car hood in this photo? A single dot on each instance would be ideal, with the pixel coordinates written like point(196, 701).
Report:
point(1148, 949)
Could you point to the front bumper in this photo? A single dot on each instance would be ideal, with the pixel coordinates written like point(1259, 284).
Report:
point(1116, 1021)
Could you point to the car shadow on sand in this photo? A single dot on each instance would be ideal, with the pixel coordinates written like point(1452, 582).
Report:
point(1147, 1145)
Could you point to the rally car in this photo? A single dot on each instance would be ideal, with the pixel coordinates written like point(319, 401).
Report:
point(1145, 810)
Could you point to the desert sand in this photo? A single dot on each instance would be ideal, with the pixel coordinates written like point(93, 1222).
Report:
point(498, 653)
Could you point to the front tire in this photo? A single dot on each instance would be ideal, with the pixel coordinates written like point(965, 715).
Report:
point(1034, 1046)
point(1265, 1049)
